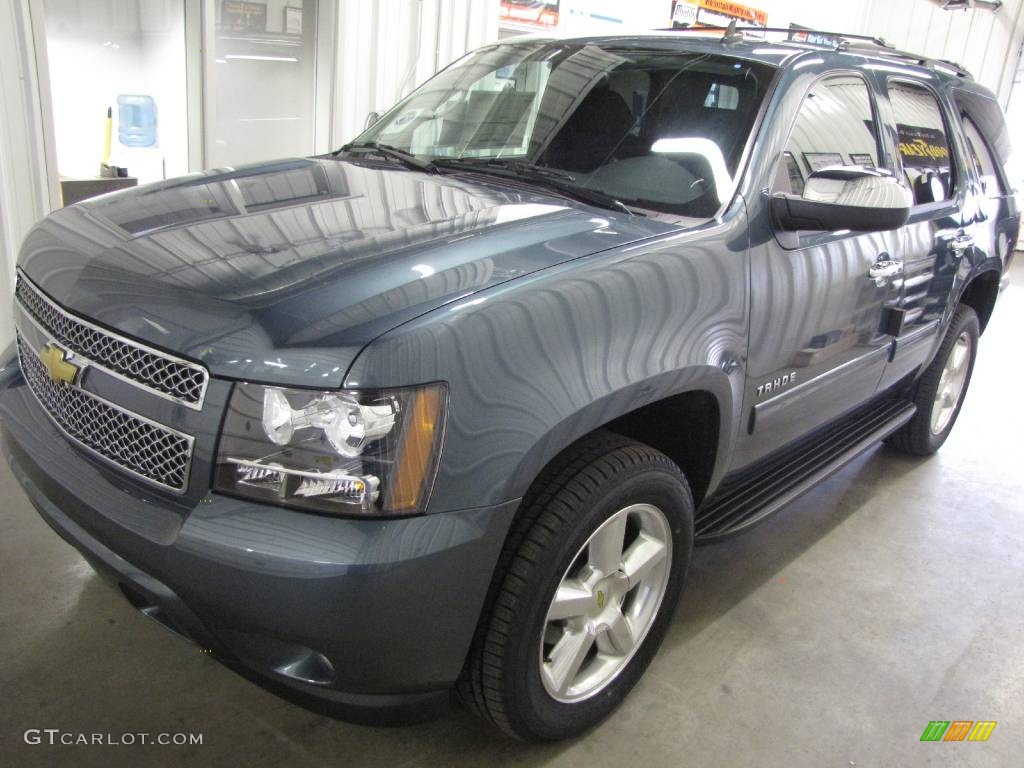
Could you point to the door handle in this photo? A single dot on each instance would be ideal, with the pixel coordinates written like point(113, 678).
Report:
point(885, 269)
point(961, 243)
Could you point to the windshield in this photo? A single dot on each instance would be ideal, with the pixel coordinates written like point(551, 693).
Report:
point(650, 128)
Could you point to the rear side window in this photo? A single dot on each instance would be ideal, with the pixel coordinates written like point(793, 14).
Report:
point(987, 121)
point(984, 162)
point(835, 126)
point(923, 142)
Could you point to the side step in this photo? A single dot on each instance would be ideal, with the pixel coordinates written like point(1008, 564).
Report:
point(741, 502)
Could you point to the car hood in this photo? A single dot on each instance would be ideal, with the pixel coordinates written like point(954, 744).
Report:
point(282, 272)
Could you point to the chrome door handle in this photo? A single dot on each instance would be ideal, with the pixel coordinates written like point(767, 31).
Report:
point(884, 269)
point(961, 243)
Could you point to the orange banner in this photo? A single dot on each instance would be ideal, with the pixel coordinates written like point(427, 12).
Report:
point(736, 10)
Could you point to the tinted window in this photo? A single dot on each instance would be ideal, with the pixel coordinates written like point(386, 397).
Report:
point(984, 162)
point(835, 126)
point(656, 129)
point(987, 116)
point(923, 142)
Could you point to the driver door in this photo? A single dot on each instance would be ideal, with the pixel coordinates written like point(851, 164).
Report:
point(817, 345)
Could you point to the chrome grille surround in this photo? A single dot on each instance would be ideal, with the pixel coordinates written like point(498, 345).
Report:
point(158, 372)
point(153, 452)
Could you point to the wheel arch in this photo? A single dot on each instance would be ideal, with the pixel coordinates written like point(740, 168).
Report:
point(980, 293)
point(687, 415)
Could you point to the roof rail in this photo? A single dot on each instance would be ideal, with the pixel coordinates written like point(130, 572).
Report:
point(734, 31)
point(911, 58)
point(866, 44)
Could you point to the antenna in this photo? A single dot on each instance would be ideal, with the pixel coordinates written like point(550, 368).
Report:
point(731, 35)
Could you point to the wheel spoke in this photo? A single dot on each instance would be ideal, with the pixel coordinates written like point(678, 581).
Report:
point(958, 357)
point(952, 383)
point(642, 555)
point(605, 551)
point(619, 639)
point(571, 599)
point(566, 658)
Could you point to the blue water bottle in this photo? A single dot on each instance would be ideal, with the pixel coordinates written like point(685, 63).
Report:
point(136, 120)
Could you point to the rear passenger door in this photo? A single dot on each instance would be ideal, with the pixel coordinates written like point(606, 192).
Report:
point(937, 236)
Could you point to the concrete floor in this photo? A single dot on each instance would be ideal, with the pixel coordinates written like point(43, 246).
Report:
point(829, 636)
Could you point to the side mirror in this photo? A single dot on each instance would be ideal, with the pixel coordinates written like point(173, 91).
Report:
point(849, 197)
point(371, 118)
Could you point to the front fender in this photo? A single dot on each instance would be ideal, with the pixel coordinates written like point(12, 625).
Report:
point(539, 361)
point(610, 407)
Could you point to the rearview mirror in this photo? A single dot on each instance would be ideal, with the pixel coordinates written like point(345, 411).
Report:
point(371, 118)
point(840, 197)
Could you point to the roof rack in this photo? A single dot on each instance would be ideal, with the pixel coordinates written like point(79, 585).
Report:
point(736, 32)
point(912, 58)
point(866, 44)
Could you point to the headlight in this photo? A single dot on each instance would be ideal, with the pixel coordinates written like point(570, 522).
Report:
point(338, 452)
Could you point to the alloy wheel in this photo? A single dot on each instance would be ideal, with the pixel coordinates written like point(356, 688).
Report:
point(951, 383)
point(606, 602)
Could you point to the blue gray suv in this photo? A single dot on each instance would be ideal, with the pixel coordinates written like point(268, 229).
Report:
point(449, 407)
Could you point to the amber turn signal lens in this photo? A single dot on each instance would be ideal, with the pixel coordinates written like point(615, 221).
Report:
point(417, 452)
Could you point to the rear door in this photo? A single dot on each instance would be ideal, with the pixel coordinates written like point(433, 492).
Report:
point(938, 235)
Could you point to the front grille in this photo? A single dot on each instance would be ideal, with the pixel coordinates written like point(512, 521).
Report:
point(142, 447)
point(168, 376)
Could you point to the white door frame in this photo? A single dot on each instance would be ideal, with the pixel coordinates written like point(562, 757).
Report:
point(324, 77)
point(42, 152)
point(196, 61)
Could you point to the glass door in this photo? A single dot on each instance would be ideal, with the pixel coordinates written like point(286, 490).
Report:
point(259, 80)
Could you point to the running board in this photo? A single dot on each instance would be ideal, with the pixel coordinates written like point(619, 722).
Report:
point(740, 503)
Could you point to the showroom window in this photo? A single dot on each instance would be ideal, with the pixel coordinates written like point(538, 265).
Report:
point(923, 142)
point(130, 59)
point(983, 160)
point(835, 126)
point(253, 98)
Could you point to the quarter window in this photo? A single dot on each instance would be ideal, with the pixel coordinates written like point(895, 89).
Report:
point(983, 161)
point(923, 142)
point(835, 126)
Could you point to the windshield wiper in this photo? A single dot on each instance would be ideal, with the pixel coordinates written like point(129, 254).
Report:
point(505, 167)
point(551, 178)
point(407, 159)
point(532, 170)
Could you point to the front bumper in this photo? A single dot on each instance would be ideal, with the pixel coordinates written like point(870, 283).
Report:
point(368, 619)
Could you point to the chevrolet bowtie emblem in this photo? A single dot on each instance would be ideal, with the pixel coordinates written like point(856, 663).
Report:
point(56, 364)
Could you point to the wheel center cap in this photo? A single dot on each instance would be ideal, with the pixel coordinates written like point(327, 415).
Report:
point(606, 593)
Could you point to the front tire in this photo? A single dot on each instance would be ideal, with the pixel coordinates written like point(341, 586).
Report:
point(939, 393)
point(585, 590)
